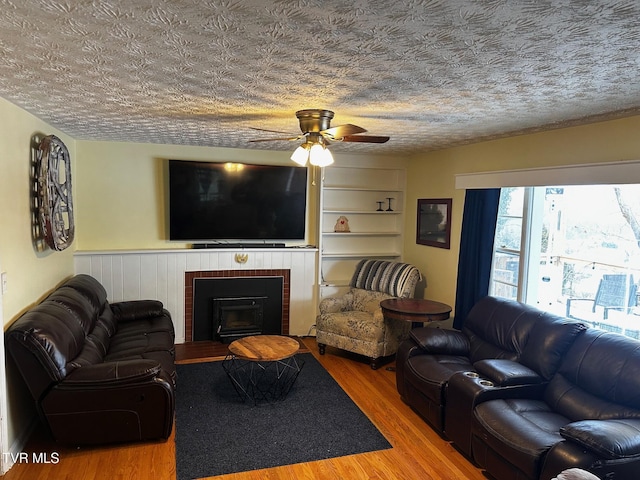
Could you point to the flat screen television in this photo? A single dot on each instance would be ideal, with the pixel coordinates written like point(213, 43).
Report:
point(212, 202)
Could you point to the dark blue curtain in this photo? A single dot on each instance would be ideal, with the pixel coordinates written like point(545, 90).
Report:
point(476, 249)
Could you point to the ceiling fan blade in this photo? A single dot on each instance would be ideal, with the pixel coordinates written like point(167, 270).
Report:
point(342, 130)
point(288, 139)
point(272, 131)
point(364, 138)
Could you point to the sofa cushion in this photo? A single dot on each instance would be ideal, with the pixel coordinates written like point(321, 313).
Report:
point(496, 329)
point(53, 335)
point(521, 430)
point(549, 342)
point(82, 310)
point(108, 321)
point(367, 300)
point(160, 324)
point(91, 288)
point(504, 329)
point(354, 324)
point(598, 378)
point(429, 374)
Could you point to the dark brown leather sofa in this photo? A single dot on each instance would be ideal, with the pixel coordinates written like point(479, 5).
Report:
point(98, 372)
point(526, 394)
point(588, 416)
point(528, 343)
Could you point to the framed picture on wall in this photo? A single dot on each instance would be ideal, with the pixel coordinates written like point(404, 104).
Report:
point(434, 222)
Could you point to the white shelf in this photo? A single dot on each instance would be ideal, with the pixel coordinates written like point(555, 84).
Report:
point(362, 189)
point(361, 234)
point(346, 211)
point(357, 192)
point(360, 254)
point(336, 283)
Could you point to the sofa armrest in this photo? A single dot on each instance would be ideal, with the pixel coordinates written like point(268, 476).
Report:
point(135, 309)
point(507, 373)
point(441, 341)
point(611, 439)
point(112, 374)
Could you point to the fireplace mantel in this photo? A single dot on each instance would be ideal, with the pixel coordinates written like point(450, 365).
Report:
point(160, 275)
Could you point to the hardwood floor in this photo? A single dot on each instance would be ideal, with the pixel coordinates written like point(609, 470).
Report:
point(417, 453)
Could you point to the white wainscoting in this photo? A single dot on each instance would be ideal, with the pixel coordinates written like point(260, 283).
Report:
point(159, 274)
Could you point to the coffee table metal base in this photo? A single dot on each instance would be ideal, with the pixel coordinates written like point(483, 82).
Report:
point(262, 381)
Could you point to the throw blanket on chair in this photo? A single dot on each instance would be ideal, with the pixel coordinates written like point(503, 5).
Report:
point(383, 276)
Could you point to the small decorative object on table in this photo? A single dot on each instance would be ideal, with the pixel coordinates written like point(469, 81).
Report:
point(342, 225)
point(380, 209)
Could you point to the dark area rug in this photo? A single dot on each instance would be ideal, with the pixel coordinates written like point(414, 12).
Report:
point(216, 433)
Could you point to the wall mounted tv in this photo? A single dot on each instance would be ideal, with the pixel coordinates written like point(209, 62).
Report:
point(211, 201)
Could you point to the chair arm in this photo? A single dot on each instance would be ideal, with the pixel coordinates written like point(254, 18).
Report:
point(441, 341)
point(336, 304)
point(611, 439)
point(136, 309)
point(111, 374)
point(507, 373)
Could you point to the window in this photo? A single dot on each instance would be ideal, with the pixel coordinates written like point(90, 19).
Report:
point(571, 250)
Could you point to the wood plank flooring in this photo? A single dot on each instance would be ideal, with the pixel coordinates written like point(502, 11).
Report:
point(417, 453)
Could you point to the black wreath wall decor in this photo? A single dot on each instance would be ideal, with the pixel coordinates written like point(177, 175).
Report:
point(55, 203)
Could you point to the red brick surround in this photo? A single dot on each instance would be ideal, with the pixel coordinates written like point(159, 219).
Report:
point(188, 293)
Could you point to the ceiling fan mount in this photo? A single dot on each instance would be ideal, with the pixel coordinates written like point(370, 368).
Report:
point(315, 124)
point(314, 120)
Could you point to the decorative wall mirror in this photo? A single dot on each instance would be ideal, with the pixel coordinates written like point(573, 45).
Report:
point(54, 196)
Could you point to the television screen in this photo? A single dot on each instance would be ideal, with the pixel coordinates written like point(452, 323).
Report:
point(230, 201)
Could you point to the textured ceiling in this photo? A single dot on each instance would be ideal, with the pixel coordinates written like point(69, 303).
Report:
point(428, 73)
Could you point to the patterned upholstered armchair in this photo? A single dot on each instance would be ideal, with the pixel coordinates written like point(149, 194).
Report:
point(354, 322)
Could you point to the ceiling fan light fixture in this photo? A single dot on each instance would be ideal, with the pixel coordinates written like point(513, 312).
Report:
point(320, 156)
point(301, 155)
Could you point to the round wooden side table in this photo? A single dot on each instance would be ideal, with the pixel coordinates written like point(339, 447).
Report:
point(415, 310)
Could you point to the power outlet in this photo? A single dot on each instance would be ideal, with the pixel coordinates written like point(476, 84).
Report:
point(3, 279)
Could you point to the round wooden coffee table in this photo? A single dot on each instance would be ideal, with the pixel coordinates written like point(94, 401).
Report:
point(263, 368)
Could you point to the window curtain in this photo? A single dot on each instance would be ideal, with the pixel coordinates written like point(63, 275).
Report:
point(476, 249)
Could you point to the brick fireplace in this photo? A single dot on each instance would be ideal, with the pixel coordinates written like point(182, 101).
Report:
point(189, 278)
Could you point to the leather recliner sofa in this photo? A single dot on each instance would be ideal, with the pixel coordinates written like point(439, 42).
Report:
point(501, 337)
point(572, 401)
point(98, 372)
point(588, 416)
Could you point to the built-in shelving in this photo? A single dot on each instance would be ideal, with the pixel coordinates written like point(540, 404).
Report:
point(362, 195)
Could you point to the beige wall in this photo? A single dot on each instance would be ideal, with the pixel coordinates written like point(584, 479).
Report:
point(120, 190)
point(432, 175)
point(30, 273)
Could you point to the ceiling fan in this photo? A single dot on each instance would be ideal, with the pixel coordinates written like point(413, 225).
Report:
point(317, 132)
